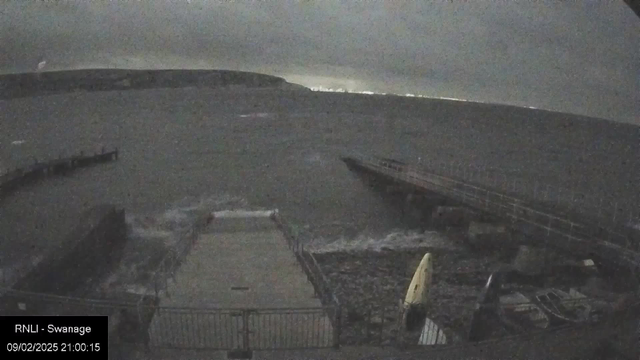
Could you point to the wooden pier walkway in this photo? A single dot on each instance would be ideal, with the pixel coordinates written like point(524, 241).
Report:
point(16, 178)
point(541, 224)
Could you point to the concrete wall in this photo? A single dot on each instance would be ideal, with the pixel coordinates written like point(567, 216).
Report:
point(89, 252)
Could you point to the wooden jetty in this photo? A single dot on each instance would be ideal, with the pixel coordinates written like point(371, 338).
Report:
point(14, 179)
point(540, 224)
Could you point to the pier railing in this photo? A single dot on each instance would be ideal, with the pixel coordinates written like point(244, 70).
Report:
point(309, 264)
point(605, 211)
point(153, 326)
point(321, 285)
point(619, 243)
point(165, 271)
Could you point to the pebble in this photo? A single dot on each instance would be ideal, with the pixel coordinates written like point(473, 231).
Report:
point(371, 283)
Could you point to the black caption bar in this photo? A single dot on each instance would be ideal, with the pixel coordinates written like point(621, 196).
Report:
point(48, 337)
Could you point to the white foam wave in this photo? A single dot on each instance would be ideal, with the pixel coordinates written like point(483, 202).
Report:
point(243, 213)
point(168, 225)
point(393, 240)
point(315, 159)
point(634, 225)
point(211, 203)
point(138, 290)
point(152, 235)
point(255, 115)
point(12, 273)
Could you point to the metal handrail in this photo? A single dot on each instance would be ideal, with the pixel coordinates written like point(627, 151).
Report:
point(616, 209)
point(514, 201)
point(169, 262)
point(514, 205)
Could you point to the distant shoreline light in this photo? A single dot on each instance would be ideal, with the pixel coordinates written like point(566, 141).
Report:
point(366, 92)
point(341, 90)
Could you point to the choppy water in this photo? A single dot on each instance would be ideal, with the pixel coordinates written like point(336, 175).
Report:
point(186, 150)
point(153, 234)
point(397, 239)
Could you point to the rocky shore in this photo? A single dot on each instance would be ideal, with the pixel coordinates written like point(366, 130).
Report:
point(370, 284)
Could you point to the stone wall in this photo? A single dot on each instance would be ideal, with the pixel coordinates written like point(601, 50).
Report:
point(88, 253)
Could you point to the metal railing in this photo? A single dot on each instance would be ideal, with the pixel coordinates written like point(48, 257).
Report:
point(197, 328)
point(321, 285)
point(308, 263)
point(175, 256)
point(147, 323)
point(573, 229)
point(293, 239)
point(228, 329)
point(264, 329)
point(606, 211)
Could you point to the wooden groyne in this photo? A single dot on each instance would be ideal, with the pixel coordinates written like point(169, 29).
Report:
point(16, 178)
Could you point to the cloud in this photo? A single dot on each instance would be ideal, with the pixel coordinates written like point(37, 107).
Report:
point(578, 57)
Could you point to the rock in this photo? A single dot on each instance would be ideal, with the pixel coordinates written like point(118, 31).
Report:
point(381, 269)
point(529, 260)
point(379, 279)
point(354, 316)
point(488, 235)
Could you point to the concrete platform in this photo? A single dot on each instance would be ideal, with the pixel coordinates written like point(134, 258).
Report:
point(243, 272)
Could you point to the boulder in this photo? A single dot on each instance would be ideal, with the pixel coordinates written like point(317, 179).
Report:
point(491, 235)
point(529, 260)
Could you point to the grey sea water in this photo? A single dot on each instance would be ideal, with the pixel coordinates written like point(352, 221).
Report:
point(185, 151)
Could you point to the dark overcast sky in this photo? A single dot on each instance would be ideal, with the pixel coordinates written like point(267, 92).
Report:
point(575, 56)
